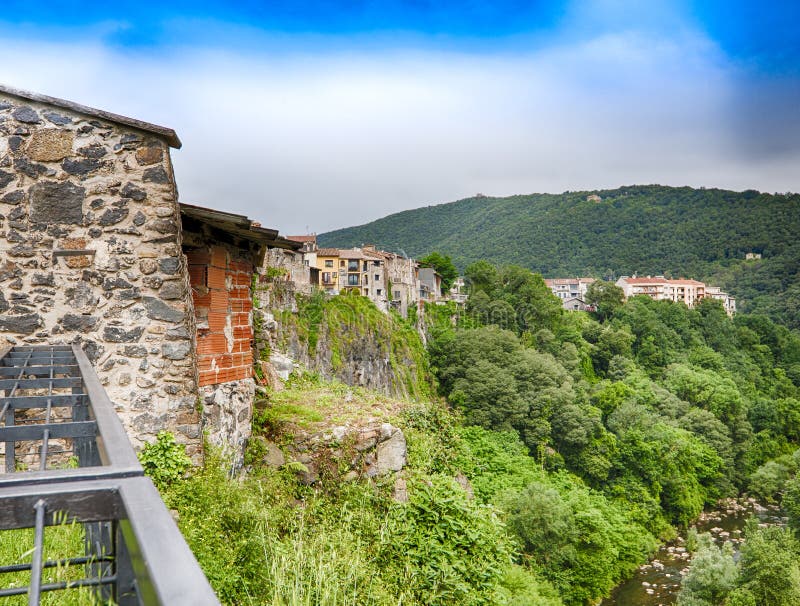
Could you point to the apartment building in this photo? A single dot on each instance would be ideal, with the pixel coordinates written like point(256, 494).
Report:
point(688, 292)
point(569, 288)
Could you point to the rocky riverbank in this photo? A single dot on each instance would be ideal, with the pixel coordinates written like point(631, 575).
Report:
point(657, 582)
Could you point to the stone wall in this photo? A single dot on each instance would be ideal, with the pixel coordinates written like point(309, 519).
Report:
point(401, 279)
point(68, 182)
point(289, 266)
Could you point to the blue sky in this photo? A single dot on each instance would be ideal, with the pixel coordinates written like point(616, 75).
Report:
point(324, 114)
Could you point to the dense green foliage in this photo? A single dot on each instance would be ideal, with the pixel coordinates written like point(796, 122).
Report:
point(677, 231)
point(660, 406)
point(268, 539)
point(585, 438)
point(164, 460)
point(767, 574)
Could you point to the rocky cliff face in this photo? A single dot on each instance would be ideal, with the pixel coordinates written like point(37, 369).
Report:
point(345, 338)
point(362, 361)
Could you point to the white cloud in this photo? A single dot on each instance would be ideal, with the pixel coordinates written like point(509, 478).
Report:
point(326, 140)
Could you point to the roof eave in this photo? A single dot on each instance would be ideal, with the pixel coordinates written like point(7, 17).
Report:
point(239, 225)
point(169, 135)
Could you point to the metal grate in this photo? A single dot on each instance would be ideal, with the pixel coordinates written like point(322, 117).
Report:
point(67, 458)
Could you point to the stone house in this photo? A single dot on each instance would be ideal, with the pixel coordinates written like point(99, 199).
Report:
point(290, 266)
point(92, 243)
point(402, 283)
point(576, 304)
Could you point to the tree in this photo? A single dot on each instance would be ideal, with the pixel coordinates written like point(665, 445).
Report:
point(443, 265)
point(481, 276)
point(769, 566)
point(711, 576)
point(605, 297)
point(791, 503)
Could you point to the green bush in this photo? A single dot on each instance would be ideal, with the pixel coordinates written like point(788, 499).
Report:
point(444, 548)
point(164, 460)
point(582, 543)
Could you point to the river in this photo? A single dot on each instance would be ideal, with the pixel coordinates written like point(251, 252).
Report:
point(657, 582)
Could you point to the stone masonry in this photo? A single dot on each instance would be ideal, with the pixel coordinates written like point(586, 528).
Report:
point(75, 180)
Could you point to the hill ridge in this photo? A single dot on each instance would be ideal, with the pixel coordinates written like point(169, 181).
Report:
point(703, 233)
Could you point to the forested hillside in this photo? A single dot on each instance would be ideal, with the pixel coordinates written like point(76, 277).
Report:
point(562, 449)
point(698, 233)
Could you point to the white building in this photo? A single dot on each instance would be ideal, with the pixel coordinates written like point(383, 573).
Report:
point(569, 288)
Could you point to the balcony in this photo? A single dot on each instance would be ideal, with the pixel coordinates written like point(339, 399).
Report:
point(67, 457)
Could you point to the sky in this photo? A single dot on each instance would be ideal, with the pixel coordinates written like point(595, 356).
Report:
point(310, 116)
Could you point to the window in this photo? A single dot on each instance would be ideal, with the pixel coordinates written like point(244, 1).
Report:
point(352, 265)
point(326, 277)
point(329, 263)
point(376, 263)
point(352, 279)
point(366, 266)
point(377, 277)
point(378, 292)
point(366, 279)
point(397, 294)
point(341, 263)
point(366, 292)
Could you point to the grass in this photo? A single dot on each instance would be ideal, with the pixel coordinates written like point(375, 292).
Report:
point(60, 542)
point(310, 404)
point(267, 540)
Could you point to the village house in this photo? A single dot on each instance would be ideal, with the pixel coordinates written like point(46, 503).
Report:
point(402, 283)
point(389, 280)
point(576, 304)
point(430, 284)
point(365, 273)
point(308, 253)
point(571, 292)
point(728, 301)
point(328, 266)
point(688, 292)
point(95, 249)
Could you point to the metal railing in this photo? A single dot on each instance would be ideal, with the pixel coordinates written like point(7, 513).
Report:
point(68, 458)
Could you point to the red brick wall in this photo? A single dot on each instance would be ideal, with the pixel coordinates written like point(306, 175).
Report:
point(220, 282)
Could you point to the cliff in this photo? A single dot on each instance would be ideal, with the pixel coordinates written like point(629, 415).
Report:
point(344, 337)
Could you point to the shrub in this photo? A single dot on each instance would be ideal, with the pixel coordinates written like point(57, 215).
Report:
point(164, 460)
